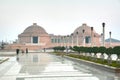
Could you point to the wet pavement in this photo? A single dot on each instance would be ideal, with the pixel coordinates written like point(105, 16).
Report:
point(43, 66)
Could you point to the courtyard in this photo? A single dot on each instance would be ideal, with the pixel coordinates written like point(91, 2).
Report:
point(45, 66)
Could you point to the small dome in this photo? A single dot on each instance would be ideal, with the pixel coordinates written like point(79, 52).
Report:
point(35, 29)
point(87, 30)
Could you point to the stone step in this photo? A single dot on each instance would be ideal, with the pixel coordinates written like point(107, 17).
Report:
point(59, 76)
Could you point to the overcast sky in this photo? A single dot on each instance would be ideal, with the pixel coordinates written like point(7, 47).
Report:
point(60, 17)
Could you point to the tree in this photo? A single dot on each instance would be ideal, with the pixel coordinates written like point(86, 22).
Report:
point(86, 50)
point(95, 51)
point(102, 51)
point(55, 49)
point(109, 52)
point(90, 50)
point(59, 48)
point(62, 48)
point(76, 48)
point(116, 51)
point(82, 49)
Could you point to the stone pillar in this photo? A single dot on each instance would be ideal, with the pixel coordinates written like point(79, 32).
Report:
point(83, 37)
point(57, 40)
point(77, 39)
point(103, 24)
point(72, 39)
point(31, 40)
point(101, 39)
point(61, 40)
point(110, 38)
point(68, 41)
point(64, 41)
point(91, 36)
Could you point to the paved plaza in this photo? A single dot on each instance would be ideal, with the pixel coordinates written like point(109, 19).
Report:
point(44, 66)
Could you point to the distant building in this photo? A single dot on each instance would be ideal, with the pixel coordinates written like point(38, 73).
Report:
point(35, 37)
point(114, 42)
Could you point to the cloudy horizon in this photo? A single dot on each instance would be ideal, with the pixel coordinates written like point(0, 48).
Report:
point(59, 17)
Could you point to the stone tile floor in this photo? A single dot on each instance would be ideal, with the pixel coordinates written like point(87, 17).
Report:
point(43, 66)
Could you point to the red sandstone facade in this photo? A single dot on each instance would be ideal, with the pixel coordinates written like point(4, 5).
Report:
point(35, 37)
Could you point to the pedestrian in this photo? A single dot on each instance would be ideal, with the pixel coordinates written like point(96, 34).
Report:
point(44, 50)
point(26, 50)
point(17, 51)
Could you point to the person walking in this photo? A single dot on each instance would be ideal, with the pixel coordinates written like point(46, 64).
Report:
point(17, 51)
point(26, 50)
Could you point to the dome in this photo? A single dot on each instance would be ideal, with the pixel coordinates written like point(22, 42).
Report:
point(87, 30)
point(35, 29)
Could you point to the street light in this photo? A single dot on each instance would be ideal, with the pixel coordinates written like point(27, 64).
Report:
point(67, 43)
point(110, 37)
point(72, 39)
point(61, 41)
point(103, 25)
point(57, 39)
point(68, 40)
point(83, 37)
point(91, 36)
point(64, 41)
point(77, 39)
point(101, 39)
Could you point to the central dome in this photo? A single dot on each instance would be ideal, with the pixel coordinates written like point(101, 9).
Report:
point(35, 29)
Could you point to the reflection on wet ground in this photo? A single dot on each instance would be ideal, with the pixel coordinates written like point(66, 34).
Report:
point(43, 66)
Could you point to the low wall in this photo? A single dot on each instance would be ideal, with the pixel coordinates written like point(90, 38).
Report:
point(95, 65)
point(3, 60)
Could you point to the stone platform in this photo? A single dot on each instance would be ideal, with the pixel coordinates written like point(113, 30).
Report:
point(44, 66)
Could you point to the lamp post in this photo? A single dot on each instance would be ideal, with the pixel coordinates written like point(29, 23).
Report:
point(61, 41)
point(67, 43)
point(101, 39)
point(110, 37)
point(77, 39)
point(57, 41)
point(91, 36)
point(68, 40)
point(83, 37)
point(72, 39)
point(64, 41)
point(103, 25)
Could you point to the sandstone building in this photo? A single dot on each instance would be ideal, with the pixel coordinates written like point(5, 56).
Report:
point(35, 37)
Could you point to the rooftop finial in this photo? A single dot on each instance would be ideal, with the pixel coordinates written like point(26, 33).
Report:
point(34, 23)
point(84, 24)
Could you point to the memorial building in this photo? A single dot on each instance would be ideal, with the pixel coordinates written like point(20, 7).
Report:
point(35, 37)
